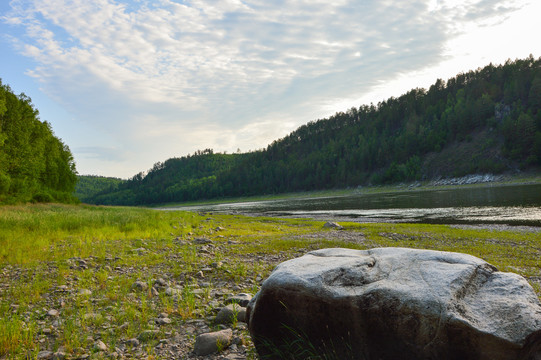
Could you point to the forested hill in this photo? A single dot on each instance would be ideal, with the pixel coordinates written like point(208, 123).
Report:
point(487, 120)
point(34, 164)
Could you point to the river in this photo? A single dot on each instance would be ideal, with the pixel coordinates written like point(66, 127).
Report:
point(514, 205)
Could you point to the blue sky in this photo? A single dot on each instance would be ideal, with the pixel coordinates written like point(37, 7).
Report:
point(128, 83)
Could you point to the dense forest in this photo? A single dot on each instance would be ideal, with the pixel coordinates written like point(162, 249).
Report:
point(34, 164)
point(487, 120)
point(89, 185)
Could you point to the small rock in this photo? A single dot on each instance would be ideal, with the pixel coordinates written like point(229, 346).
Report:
point(230, 314)
point(173, 291)
point(241, 299)
point(160, 282)
point(100, 346)
point(85, 292)
point(206, 344)
point(53, 313)
point(132, 342)
point(163, 321)
point(139, 286)
point(332, 225)
point(45, 355)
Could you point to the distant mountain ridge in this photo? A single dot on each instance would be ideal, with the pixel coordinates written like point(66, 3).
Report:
point(482, 121)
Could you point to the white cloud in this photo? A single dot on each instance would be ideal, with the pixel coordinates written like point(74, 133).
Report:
point(168, 77)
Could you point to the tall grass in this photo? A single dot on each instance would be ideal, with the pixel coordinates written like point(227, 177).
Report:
point(34, 233)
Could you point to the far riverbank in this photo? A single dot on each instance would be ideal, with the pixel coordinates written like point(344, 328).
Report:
point(473, 200)
point(469, 181)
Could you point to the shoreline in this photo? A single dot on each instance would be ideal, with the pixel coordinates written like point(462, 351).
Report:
point(481, 216)
point(426, 185)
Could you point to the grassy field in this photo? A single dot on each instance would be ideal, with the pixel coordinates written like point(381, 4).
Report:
point(83, 261)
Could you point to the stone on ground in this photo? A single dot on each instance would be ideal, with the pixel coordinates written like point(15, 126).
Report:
point(332, 225)
point(394, 303)
point(230, 314)
point(206, 344)
point(242, 299)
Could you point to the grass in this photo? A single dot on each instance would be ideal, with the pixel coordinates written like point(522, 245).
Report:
point(49, 253)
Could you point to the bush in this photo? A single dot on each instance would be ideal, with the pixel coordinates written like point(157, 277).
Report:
point(42, 197)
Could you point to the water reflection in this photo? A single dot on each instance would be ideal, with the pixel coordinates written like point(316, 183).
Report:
point(513, 205)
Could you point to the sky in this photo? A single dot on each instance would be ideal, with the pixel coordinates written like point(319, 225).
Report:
point(128, 83)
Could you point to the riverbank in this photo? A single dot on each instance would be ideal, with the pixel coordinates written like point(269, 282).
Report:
point(72, 278)
point(469, 181)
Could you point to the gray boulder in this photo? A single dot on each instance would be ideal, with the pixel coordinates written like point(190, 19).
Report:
point(394, 303)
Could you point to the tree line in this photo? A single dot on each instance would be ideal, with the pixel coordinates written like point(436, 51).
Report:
point(34, 164)
point(494, 110)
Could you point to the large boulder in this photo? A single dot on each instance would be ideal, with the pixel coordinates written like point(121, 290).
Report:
point(394, 303)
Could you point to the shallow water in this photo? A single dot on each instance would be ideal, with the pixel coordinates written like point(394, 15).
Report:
point(490, 204)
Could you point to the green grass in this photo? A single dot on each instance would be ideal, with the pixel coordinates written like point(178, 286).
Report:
point(42, 248)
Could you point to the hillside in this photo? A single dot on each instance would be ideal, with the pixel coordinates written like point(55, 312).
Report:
point(35, 165)
point(487, 120)
point(89, 185)
point(178, 179)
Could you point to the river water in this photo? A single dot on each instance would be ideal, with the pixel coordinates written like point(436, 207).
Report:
point(491, 204)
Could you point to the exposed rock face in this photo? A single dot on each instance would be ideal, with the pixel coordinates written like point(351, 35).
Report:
point(394, 303)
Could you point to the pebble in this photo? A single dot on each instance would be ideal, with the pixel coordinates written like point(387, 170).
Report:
point(139, 286)
point(230, 314)
point(332, 225)
point(132, 342)
point(173, 291)
point(242, 299)
point(160, 282)
point(206, 344)
point(45, 355)
point(53, 313)
point(100, 346)
point(163, 321)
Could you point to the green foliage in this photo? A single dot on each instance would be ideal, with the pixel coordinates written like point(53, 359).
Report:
point(34, 164)
point(90, 185)
point(385, 143)
point(178, 179)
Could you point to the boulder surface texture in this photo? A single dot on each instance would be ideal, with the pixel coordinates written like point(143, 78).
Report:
point(394, 303)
